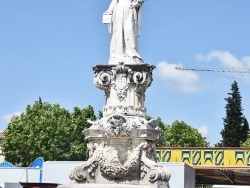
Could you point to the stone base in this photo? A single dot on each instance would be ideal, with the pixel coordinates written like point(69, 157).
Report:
point(125, 60)
point(159, 185)
point(102, 186)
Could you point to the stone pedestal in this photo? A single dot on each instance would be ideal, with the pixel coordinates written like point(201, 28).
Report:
point(126, 60)
point(109, 186)
point(122, 144)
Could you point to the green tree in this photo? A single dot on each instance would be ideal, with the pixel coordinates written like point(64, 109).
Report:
point(247, 142)
point(49, 131)
point(100, 115)
point(160, 124)
point(179, 134)
point(233, 122)
point(244, 130)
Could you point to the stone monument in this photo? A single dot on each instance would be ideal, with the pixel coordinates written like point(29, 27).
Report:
point(122, 144)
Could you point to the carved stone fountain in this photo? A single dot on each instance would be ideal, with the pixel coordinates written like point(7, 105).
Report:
point(122, 144)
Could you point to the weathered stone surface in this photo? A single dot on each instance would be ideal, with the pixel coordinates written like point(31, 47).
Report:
point(109, 186)
point(124, 87)
point(122, 144)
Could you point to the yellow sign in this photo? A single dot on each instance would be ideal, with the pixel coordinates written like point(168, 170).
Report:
point(236, 157)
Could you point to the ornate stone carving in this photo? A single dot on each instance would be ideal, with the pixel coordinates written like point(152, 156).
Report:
point(102, 79)
point(121, 81)
point(124, 86)
point(86, 172)
point(119, 160)
point(122, 143)
point(126, 110)
point(116, 125)
point(119, 126)
point(149, 168)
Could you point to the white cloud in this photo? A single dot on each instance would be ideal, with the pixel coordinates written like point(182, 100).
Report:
point(203, 130)
point(184, 81)
point(246, 61)
point(224, 58)
point(190, 81)
point(8, 117)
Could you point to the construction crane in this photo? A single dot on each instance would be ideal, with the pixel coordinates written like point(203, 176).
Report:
point(232, 69)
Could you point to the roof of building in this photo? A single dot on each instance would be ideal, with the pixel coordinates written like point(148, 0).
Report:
point(223, 176)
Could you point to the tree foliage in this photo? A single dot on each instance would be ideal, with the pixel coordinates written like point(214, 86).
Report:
point(234, 131)
point(161, 125)
point(246, 141)
point(179, 134)
point(244, 130)
point(49, 131)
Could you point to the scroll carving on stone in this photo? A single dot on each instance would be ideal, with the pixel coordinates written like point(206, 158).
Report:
point(102, 79)
point(124, 86)
point(149, 168)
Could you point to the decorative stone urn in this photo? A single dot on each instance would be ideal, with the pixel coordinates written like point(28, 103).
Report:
point(122, 144)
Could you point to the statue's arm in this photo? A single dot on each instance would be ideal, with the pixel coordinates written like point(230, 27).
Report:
point(111, 7)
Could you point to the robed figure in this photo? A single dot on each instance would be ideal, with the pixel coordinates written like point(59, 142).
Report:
point(124, 28)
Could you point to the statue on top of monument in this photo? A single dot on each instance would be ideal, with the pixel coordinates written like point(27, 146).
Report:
point(124, 19)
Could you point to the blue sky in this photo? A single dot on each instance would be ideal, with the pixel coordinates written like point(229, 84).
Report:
point(48, 49)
